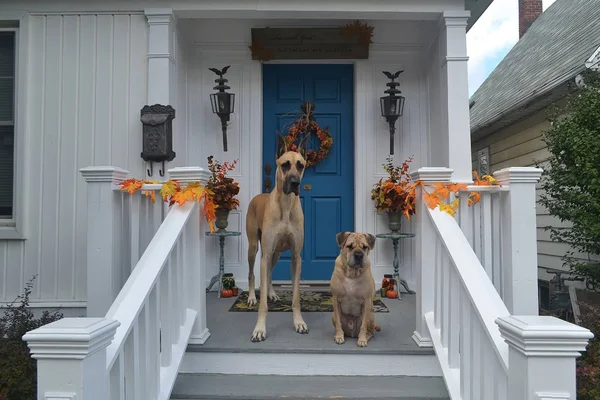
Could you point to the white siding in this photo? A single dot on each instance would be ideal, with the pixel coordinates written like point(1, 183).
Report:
point(86, 86)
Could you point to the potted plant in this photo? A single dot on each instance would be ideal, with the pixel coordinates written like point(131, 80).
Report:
point(224, 189)
point(395, 195)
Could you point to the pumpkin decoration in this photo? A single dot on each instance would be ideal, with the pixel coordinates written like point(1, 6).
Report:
point(226, 293)
point(392, 294)
point(234, 291)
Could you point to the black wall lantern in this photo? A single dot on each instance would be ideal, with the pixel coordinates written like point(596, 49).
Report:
point(392, 105)
point(222, 103)
point(157, 139)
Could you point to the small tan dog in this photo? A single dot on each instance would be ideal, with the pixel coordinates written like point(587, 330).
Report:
point(353, 288)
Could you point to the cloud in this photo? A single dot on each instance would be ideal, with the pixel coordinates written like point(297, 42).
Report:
point(491, 38)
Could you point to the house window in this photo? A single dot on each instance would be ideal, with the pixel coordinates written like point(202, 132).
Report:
point(7, 122)
point(483, 161)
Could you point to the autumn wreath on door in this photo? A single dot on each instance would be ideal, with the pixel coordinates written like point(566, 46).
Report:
point(307, 125)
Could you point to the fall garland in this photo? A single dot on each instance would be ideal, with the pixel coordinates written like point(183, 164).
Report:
point(172, 192)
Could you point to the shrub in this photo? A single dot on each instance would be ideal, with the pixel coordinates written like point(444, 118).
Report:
point(571, 182)
point(18, 379)
point(588, 365)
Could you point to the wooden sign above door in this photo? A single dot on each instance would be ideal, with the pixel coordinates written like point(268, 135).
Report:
point(350, 41)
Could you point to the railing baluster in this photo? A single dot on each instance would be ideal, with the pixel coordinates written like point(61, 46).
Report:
point(486, 229)
point(180, 278)
point(439, 254)
point(445, 290)
point(477, 242)
point(165, 318)
point(175, 296)
point(489, 370)
point(475, 360)
point(135, 229)
point(454, 319)
point(117, 379)
point(154, 341)
point(142, 352)
point(132, 364)
point(465, 346)
point(497, 244)
point(463, 215)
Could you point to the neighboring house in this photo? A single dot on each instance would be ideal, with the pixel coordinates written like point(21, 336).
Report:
point(509, 110)
point(75, 76)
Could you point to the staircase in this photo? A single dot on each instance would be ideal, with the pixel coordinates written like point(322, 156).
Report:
point(153, 334)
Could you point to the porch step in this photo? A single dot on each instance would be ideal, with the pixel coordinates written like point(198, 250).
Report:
point(267, 387)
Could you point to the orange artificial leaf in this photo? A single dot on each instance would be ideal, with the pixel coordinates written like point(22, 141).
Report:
point(196, 193)
point(457, 187)
point(431, 200)
point(441, 190)
point(169, 189)
point(491, 180)
point(131, 185)
point(474, 198)
point(181, 197)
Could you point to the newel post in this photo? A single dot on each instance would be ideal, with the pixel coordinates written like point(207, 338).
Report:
point(542, 351)
point(105, 258)
point(425, 254)
point(71, 358)
point(519, 239)
point(195, 260)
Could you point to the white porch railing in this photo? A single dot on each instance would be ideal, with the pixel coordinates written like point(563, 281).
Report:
point(484, 351)
point(134, 350)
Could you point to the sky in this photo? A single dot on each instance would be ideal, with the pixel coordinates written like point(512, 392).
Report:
point(491, 38)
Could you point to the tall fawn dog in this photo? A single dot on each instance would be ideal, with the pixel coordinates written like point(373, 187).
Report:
point(352, 288)
point(276, 221)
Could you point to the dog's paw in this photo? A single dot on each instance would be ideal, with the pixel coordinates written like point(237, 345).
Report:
point(339, 339)
point(301, 327)
point(362, 342)
point(259, 334)
point(251, 300)
point(273, 296)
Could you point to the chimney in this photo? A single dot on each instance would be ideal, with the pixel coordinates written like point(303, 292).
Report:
point(529, 10)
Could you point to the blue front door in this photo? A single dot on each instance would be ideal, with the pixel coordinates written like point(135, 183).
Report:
point(327, 189)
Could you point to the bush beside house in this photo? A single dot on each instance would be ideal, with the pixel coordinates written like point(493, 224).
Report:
point(18, 379)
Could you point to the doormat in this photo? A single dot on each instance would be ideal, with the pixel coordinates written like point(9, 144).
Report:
point(309, 302)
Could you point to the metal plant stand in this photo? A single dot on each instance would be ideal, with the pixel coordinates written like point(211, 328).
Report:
point(219, 276)
point(395, 237)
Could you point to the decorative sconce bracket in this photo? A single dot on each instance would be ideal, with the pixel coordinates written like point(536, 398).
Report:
point(392, 105)
point(222, 103)
point(157, 135)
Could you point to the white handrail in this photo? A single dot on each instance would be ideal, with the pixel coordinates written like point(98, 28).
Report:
point(144, 276)
point(481, 292)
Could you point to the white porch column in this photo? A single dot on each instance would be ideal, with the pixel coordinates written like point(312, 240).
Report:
point(105, 261)
point(425, 257)
point(161, 57)
point(195, 254)
point(541, 356)
point(71, 358)
point(519, 239)
point(455, 94)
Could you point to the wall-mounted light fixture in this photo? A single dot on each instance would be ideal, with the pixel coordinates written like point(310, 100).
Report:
point(392, 105)
point(157, 135)
point(222, 103)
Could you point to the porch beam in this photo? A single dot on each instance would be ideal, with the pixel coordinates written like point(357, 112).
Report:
point(455, 93)
point(161, 55)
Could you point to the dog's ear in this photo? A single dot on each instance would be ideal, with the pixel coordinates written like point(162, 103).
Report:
point(302, 145)
point(370, 240)
point(281, 146)
point(341, 238)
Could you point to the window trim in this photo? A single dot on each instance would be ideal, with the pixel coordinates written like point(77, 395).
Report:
point(13, 228)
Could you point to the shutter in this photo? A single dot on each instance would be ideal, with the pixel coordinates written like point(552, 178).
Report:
point(7, 81)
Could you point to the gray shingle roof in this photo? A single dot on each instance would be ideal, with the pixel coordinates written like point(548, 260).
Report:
point(553, 50)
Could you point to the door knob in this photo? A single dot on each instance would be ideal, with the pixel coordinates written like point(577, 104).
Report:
point(267, 184)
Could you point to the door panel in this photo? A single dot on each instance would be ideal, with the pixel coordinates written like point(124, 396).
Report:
point(328, 205)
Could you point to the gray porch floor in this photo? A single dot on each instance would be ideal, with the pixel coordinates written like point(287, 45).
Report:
point(231, 331)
